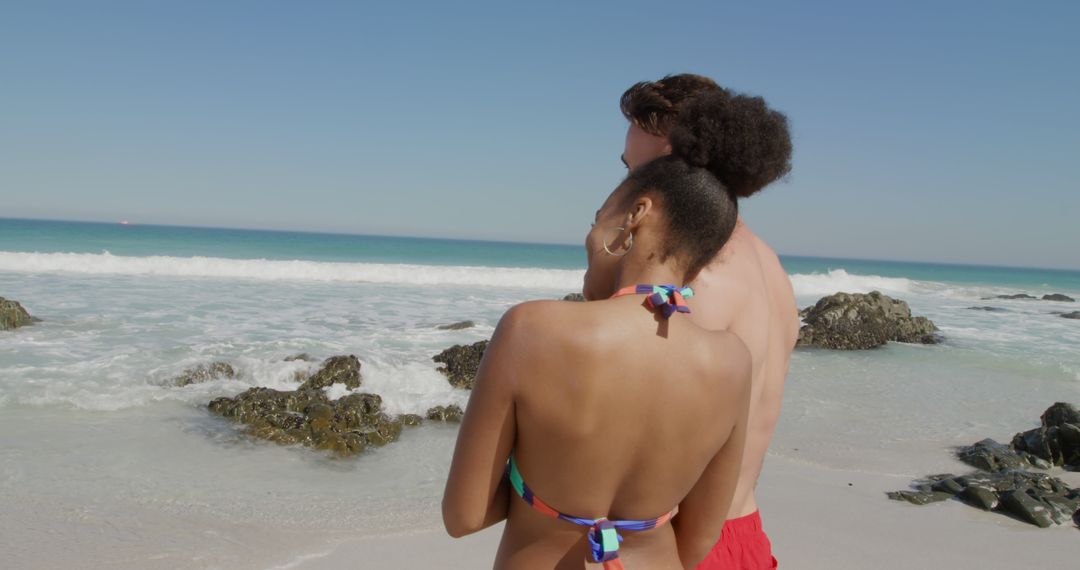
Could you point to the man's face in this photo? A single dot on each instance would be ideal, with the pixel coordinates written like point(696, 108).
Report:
point(642, 147)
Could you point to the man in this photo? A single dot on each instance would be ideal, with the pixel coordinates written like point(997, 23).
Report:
point(744, 290)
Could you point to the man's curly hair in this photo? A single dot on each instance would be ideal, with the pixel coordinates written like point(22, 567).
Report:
point(654, 105)
point(738, 138)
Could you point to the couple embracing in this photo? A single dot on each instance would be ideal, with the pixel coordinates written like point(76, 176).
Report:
point(632, 429)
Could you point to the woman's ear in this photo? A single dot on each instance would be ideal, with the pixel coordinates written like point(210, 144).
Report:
point(639, 211)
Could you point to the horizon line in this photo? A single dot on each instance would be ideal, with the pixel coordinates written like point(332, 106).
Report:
point(128, 223)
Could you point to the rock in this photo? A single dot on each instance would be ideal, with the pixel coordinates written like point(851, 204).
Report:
point(13, 315)
point(204, 373)
point(1036, 498)
point(335, 370)
point(1056, 441)
point(856, 321)
point(410, 420)
point(574, 297)
point(1025, 506)
point(947, 485)
point(988, 309)
point(1058, 297)
point(457, 326)
point(345, 426)
point(1016, 296)
point(303, 356)
point(461, 362)
point(918, 497)
point(445, 413)
point(1060, 413)
point(1072, 315)
point(989, 455)
point(980, 497)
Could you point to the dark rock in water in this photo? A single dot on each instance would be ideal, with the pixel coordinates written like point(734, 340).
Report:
point(344, 426)
point(1058, 297)
point(457, 326)
point(461, 362)
point(1060, 413)
point(410, 420)
point(204, 373)
point(856, 321)
point(335, 370)
point(303, 356)
point(1016, 296)
point(989, 309)
point(1057, 440)
point(574, 297)
point(13, 315)
point(1072, 315)
point(918, 497)
point(445, 413)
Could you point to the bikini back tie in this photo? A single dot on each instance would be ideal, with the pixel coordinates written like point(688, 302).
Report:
point(604, 537)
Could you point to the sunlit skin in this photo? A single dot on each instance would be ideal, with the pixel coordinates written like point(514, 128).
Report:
point(610, 411)
point(744, 291)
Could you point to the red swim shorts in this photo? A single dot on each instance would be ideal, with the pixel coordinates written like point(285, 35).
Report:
point(742, 546)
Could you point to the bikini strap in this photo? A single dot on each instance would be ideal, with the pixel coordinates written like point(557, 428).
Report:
point(668, 298)
point(604, 537)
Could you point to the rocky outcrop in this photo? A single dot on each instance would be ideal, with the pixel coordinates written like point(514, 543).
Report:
point(1025, 297)
point(574, 297)
point(1003, 481)
point(457, 326)
point(345, 426)
point(335, 370)
point(856, 321)
point(988, 309)
point(204, 373)
point(303, 357)
point(1072, 315)
point(461, 362)
point(445, 413)
point(13, 315)
point(1035, 498)
point(1056, 440)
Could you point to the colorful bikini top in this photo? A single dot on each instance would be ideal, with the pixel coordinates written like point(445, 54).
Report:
point(604, 537)
point(668, 298)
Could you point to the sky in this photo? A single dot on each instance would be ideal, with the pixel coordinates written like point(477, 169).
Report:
point(929, 131)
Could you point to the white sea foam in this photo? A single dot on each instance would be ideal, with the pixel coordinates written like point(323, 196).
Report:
point(290, 270)
point(839, 280)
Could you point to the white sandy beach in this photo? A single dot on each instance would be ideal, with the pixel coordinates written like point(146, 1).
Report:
point(817, 519)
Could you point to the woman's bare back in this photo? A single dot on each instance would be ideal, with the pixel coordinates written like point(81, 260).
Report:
point(619, 422)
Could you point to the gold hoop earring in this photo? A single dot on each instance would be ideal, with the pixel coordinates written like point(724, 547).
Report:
point(628, 247)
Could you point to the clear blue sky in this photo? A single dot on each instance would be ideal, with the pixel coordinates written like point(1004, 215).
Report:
point(938, 131)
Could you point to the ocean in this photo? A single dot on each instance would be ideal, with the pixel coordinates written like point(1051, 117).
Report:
point(91, 432)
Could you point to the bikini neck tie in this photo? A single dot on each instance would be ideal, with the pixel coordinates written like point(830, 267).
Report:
point(669, 299)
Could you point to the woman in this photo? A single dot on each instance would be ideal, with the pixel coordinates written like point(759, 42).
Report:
point(591, 424)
